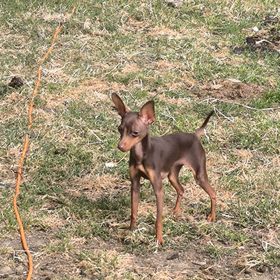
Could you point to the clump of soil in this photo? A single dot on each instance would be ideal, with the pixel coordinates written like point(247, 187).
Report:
point(229, 89)
point(16, 82)
point(265, 39)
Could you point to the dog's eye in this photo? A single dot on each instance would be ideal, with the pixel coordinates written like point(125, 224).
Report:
point(135, 133)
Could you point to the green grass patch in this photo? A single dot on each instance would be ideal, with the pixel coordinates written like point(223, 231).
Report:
point(76, 184)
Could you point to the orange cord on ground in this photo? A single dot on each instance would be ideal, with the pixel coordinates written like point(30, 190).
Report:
point(25, 148)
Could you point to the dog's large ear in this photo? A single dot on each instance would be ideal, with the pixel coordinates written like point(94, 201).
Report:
point(119, 105)
point(147, 112)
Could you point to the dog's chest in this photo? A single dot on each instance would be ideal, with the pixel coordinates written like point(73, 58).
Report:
point(141, 159)
point(142, 168)
point(148, 172)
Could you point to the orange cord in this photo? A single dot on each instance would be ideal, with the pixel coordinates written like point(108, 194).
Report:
point(21, 229)
point(25, 148)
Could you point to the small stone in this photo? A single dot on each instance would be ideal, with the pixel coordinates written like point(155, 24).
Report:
point(255, 29)
point(110, 164)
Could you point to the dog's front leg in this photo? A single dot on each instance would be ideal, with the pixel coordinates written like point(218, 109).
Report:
point(159, 200)
point(159, 197)
point(158, 189)
point(135, 193)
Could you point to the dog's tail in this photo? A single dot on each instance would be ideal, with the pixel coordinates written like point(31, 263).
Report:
point(200, 131)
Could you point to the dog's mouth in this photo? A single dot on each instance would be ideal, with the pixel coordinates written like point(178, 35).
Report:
point(123, 149)
point(127, 145)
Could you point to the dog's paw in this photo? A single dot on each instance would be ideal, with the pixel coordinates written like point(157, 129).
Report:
point(211, 218)
point(159, 241)
point(177, 213)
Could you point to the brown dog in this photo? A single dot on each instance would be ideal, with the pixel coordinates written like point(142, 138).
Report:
point(154, 158)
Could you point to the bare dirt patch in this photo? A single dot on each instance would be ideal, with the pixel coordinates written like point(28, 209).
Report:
point(91, 91)
point(265, 39)
point(93, 187)
point(165, 31)
point(165, 65)
point(96, 259)
point(229, 89)
point(102, 85)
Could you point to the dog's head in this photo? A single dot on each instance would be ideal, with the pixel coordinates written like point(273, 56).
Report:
point(134, 125)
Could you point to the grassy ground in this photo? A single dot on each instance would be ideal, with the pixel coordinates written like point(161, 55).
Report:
point(75, 199)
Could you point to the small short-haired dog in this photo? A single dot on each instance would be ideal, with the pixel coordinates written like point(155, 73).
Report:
point(154, 158)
